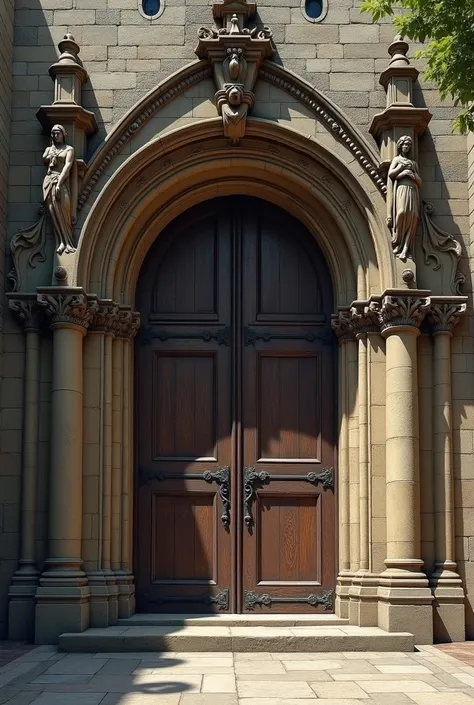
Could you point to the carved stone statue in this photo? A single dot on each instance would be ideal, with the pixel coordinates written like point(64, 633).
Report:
point(403, 199)
point(60, 189)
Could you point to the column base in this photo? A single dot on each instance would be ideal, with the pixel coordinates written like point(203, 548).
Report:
point(59, 610)
point(112, 596)
point(126, 593)
point(449, 617)
point(405, 604)
point(21, 612)
point(99, 599)
point(344, 581)
point(363, 594)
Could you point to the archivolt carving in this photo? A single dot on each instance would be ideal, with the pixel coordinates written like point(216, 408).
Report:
point(436, 240)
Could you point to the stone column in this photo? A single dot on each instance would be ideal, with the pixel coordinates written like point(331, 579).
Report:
point(126, 330)
point(405, 600)
point(102, 581)
point(449, 617)
point(63, 594)
point(363, 593)
point(341, 327)
point(22, 602)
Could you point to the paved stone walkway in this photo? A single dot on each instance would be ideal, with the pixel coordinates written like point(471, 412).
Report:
point(428, 677)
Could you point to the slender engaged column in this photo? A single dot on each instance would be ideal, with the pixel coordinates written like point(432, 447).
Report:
point(449, 623)
point(340, 324)
point(21, 608)
point(63, 595)
point(404, 597)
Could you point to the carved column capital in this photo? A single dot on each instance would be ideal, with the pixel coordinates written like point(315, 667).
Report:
point(341, 325)
point(398, 308)
point(26, 310)
point(365, 317)
point(128, 323)
point(67, 305)
point(105, 316)
point(445, 312)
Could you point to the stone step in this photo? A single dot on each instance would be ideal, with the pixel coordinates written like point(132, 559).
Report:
point(233, 620)
point(239, 639)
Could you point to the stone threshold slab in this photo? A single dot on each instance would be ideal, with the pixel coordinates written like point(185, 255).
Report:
point(237, 620)
point(236, 639)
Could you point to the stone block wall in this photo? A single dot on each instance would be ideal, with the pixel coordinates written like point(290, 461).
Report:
point(8, 513)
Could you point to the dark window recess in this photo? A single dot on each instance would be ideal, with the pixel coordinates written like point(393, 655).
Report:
point(152, 7)
point(313, 8)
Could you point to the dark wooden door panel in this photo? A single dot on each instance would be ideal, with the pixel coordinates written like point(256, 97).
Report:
point(235, 452)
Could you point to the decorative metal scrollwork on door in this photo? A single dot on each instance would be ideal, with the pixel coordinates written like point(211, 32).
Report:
point(251, 599)
point(254, 479)
point(221, 599)
point(221, 477)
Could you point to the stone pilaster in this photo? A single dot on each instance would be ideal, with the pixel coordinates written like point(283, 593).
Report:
point(449, 617)
point(22, 601)
point(405, 600)
point(63, 594)
point(98, 461)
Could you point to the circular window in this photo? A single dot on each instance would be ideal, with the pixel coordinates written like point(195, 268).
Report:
point(151, 9)
point(314, 10)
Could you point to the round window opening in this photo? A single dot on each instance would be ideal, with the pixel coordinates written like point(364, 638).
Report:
point(314, 10)
point(151, 8)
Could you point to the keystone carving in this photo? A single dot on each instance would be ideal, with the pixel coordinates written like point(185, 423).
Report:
point(236, 53)
point(434, 241)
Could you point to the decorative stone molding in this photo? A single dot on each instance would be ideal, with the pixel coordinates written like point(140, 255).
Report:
point(128, 323)
point(26, 310)
point(400, 116)
point(396, 308)
point(67, 305)
point(445, 313)
point(329, 116)
point(434, 241)
point(24, 239)
point(68, 75)
point(236, 53)
point(341, 325)
point(135, 119)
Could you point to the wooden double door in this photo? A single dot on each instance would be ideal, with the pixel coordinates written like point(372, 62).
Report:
point(235, 507)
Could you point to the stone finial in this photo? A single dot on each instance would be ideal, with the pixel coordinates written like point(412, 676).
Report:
point(69, 75)
point(400, 116)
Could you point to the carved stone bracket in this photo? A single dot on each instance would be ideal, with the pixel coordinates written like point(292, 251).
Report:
point(445, 313)
point(435, 242)
point(236, 53)
point(67, 305)
point(364, 317)
point(341, 325)
point(105, 316)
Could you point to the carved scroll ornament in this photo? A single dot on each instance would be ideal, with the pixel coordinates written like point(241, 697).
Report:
point(434, 240)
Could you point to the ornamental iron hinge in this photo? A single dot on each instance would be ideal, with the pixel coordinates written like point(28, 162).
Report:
point(221, 336)
point(254, 479)
point(251, 599)
point(251, 336)
point(221, 599)
point(221, 477)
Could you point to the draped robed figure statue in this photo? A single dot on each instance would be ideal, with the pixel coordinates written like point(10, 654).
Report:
point(403, 199)
point(60, 189)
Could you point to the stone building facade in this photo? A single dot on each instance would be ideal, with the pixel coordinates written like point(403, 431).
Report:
point(270, 141)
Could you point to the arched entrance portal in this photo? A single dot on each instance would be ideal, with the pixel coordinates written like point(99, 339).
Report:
point(234, 420)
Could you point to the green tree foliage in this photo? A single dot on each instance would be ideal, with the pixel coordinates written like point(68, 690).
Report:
point(448, 28)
